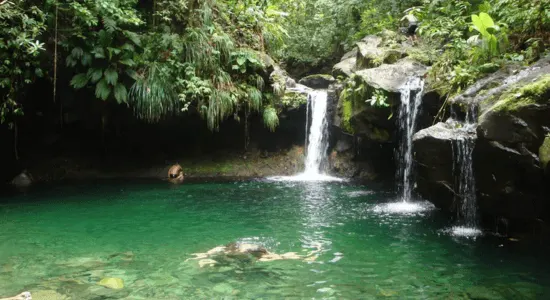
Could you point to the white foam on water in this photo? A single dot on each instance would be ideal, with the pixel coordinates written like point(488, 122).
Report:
point(461, 231)
point(403, 207)
point(307, 177)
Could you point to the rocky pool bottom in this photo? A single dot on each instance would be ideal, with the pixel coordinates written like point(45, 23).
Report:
point(61, 241)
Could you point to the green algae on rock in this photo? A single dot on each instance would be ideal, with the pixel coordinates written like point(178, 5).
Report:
point(544, 152)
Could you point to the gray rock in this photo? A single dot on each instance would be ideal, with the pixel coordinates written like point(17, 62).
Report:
point(433, 150)
point(391, 77)
point(344, 68)
point(317, 81)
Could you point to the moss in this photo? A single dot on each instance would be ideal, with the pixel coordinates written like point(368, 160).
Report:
point(423, 55)
point(521, 96)
point(380, 135)
point(347, 113)
point(294, 99)
point(544, 152)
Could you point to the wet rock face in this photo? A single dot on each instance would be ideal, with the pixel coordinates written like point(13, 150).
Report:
point(434, 157)
point(510, 168)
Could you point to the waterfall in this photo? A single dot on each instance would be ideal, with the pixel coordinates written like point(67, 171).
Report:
point(463, 148)
point(411, 98)
point(318, 132)
point(316, 140)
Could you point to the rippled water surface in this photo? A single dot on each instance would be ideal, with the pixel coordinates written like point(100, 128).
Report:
point(60, 241)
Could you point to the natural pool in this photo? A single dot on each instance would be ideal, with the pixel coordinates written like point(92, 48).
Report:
point(59, 241)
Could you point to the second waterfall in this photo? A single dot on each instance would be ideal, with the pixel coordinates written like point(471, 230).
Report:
point(411, 98)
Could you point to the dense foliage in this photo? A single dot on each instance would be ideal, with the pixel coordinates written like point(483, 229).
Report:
point(168, 57)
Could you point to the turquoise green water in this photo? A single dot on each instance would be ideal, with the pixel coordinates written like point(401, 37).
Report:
point(66, 238)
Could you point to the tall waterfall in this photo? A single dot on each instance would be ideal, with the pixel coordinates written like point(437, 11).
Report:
point(463, 148)
point(316, 140)
point(317, 145)
point(411, 98)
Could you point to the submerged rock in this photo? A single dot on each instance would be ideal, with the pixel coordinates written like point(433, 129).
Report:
point(112, 283)
point(48, 295)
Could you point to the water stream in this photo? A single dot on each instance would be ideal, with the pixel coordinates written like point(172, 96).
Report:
point(411, 98)
point(316, 141)
point(463, 147)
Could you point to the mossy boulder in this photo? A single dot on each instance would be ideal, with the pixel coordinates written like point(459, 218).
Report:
point(317, 81)
point(520, 114)
point(374, 50)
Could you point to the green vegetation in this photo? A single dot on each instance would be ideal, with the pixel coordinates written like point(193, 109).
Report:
point(164, 58)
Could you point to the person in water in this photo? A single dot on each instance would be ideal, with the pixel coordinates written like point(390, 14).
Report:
point(175, 174)
point(246, 250)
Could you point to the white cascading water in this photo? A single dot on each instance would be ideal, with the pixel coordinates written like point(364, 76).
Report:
point(316, 141)
point(411, 98)
point(318, 132)
point(407, 127)
point(463, 148)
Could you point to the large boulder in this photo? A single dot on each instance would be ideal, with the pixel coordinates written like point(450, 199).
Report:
point(392, 77)
point(347, 64)
point(433, 148)
point(374, 50)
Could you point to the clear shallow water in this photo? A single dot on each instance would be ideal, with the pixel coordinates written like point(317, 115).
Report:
point(66, 238)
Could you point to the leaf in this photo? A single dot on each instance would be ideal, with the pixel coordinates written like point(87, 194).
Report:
point(102, 90)
point(132, 73)
point(38, 72)
point(98, 52)
point(77, 52)
point(70, 61)
point(127, 61)
point(79, 81)
point(241, 60)
point(121, 95)
point(132, 36)
point(128, 47)
point(111, 76)
point(487, 20)
point(95, 74)
point(86, 59)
